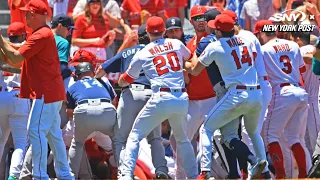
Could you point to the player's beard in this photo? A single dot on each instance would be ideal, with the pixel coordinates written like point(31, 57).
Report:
point(201, 29)
point(260, 40)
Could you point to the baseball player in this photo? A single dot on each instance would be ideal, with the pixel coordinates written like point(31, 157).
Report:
point(311, 83)
point(218, 86)
point(261, 70)
point(200, 92)
point(262, 80)
point(288, 107)
point(314, 171)
point(40, 59)
point(61, 26)
point(90, 102)
point(243, 96)
point(174, 30)
point(162, 62)
point(134, 96)
point(14, 110)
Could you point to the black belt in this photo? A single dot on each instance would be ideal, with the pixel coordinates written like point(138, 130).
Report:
point(145, 86)
point(87, 101)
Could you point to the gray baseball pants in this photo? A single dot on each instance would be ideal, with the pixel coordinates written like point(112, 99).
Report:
point(131, 101)
point(88, 119)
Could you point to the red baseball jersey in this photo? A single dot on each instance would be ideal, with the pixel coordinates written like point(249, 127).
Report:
point(200, 86)
point(41, 75)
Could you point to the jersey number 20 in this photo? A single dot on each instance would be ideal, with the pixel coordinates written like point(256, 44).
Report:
point(160, 62)
point(245, 57)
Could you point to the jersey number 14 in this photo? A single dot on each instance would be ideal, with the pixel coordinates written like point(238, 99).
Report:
point(160, 62)
point(245, 57)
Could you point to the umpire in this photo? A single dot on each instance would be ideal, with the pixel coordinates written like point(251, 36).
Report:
point(90, 103)
point(132, 100)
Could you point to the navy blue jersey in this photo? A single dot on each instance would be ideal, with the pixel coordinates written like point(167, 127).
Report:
point(121, 61)
point(212, 69)
point(88, 88)
point(186, 39)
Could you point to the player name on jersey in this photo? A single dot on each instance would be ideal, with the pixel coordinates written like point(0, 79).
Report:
point(281, 48)
point(157, 49)
point(129, 52)
point(235, 42)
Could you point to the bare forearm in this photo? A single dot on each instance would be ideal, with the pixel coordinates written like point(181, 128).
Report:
point(100, 73)
point(126, 44)
point(308, 59)
point(186, 77)
point(114, 22)
point(10, 69)
point(10, 52)
point(181, 14)
point(83, 42)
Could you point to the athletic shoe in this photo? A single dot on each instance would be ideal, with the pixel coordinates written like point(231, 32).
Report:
point(256, 169)
point(204, 175)
point(12, 177)
point(162, 175)
point(315, 169)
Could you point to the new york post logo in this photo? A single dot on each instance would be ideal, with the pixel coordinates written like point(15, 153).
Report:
point(290, 21)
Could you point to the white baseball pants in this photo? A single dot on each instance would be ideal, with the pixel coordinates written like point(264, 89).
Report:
point(14, 117)
point(235, 103)
point(161, 106)
point(44, 128)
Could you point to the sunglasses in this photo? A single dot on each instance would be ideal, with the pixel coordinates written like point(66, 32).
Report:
point(70, 29)
point(199, 18)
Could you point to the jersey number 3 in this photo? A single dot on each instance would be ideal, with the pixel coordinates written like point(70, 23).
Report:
point(286, 63)
point(245, 57)
point(160, 62)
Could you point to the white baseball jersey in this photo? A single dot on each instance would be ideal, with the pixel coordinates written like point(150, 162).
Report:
point(234, 58)
point(311, 81)
point(162, 62)
point(282, 59)
point(259, 63)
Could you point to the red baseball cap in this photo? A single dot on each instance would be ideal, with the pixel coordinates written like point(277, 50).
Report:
point(35, 6)
point(16, 29)
point(222, 22)
point(259, 25)
point(155, 24)
point(82, 56)
point(197, 11)
point(232, 14)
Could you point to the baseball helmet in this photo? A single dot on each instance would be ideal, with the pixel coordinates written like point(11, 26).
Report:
point(83, 56)
point(83, 67)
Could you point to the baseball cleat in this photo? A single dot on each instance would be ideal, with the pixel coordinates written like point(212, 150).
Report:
point(315, 169)
point(204, 175)
point(162, 175)
point(256, 169)
point(12, 177)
